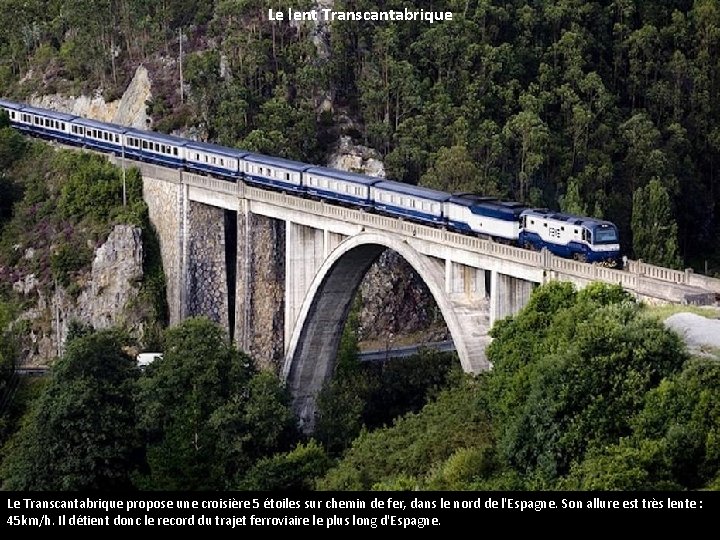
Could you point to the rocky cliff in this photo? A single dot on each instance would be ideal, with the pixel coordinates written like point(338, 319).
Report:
point(109, 297)
point(130, 110)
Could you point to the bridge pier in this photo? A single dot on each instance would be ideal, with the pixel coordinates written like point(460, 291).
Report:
point(305, 250)
point(260, 286)
point(206, 284)
point(508, 295)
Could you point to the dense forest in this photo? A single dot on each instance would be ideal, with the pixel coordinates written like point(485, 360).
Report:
point(588, 391)
point(603, 108)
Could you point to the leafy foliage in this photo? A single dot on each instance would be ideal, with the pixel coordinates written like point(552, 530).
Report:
point(582, 382)
point(292, 471)
point(82, 433)
point(205, 412)
point(415, 443)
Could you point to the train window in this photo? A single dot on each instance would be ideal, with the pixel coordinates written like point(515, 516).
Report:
point(544, 224)
point(562, 228)
point(144, 145)
point(287, 177)
point(576, 231)
point(175, 151)
point(532, 222)
point(222, 162)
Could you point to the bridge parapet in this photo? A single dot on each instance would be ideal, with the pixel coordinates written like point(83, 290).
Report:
point(555, 267)
point(658, 272)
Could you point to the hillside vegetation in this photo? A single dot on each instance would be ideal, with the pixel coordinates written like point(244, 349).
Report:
point(588, 392)
point(606, 108)
point(602, 108)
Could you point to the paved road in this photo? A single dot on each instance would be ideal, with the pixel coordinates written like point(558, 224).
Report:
point(380, 355)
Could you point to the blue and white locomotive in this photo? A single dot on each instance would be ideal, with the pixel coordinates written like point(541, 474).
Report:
point(581, 238)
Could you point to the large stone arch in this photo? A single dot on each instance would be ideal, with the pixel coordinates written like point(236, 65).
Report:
point(315, 338)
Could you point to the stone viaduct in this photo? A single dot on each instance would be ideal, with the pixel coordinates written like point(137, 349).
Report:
point(279, 272)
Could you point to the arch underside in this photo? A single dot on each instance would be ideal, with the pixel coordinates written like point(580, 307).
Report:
point(312, 351)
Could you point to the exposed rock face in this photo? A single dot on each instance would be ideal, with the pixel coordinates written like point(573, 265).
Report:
point(107, 298)
point(128, 111)
point(356, 158)
point(131, 110)
point(397, 303)
point(90, 107)
point(114, 282)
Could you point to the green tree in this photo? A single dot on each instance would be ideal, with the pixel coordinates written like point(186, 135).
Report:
point(578, 386)
point(206, 413)
point(291, 471)
point(415, 443)
point(654, 229)
point(455, 171)
point(528, 133)
point(82, 434)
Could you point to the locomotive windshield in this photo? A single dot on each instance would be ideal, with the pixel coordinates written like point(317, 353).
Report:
point(605, 235)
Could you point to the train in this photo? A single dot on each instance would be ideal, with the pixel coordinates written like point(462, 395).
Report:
point(581, 238)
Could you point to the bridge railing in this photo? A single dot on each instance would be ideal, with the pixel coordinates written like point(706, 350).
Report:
point(657, 272)
point(704, 282)
point(399, 226)
point(213, 184)
point(628, 278)
point(545, 259)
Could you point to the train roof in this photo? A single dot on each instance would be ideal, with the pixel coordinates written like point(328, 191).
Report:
point(157, 137)
point(344, 175)
point(567, 218)
point(65, 117)
point(417, 191)
point(107, 126)
point(489, 206)
point(10, 104)
point(277, 162)
point(217, 149)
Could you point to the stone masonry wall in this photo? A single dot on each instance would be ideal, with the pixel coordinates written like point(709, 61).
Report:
point(261, 288)
point(206, 287)
point(164, 200)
